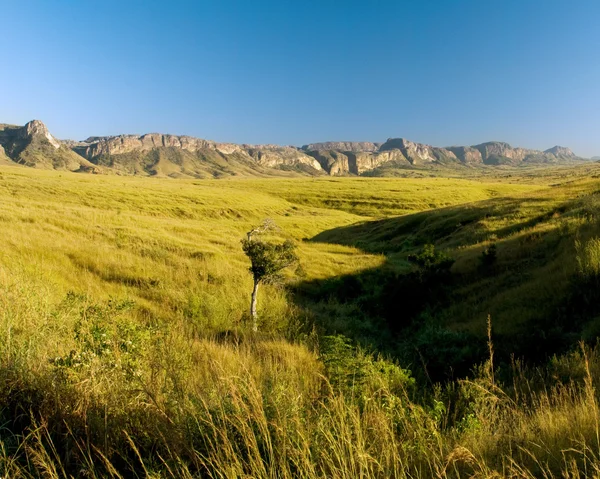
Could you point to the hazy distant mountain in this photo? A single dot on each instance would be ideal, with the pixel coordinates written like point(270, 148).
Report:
point(184, 156)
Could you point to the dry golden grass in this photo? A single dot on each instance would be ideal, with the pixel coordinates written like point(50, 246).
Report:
point(172, 385)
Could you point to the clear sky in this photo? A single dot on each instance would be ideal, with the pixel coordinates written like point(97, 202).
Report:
point(442, 72)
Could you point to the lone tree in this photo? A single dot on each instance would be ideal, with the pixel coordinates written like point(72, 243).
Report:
point(268, 259)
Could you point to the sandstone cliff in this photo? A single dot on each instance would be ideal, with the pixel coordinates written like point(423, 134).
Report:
point(467, 154)
point(33, 145)
point(184, 156)
point(353, 146)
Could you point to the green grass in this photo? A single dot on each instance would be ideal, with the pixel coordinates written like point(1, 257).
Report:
point(377, 197)
point(166, 243)
point(125, 347)
point(535, 234)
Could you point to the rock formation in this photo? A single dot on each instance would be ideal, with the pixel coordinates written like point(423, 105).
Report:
point(185, 156)
point(33, 145)
point(560, 151)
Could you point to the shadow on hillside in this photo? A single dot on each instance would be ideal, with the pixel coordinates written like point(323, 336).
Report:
point(536, 308)
point(443, 225)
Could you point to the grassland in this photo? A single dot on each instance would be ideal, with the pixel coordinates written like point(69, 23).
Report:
point(125, 348)
point(168, 243)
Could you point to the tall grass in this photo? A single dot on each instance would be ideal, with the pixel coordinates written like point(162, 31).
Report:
point(588, 257)
point(124, 349)
point(262, 409)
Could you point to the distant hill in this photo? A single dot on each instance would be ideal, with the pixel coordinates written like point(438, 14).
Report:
point(157, 154)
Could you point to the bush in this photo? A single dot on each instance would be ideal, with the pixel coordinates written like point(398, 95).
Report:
point(488, 257)
point(429, 261)
point(358, 374)
point(588, 258)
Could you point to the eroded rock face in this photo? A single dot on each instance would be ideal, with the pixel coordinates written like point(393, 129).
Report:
point(118, 145)
point(495, 151)
point(415, 153)
point(369, 161)
point(37, 128)
point(270, 156)
point(185, 156)
point(352, 146)
point(32, 145)
point(273, 156)
point(467, 154)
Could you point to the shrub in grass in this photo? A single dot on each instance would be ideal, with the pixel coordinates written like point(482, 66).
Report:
point(358, 374)
point(488, 258)
point(588, 257)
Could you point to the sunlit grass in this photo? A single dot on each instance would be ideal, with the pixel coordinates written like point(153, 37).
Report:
point(173, 385)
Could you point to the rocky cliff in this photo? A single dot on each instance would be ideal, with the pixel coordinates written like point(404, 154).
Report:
point(353, 146)
point(33, 145)
point(184, 156)
point(339, 158)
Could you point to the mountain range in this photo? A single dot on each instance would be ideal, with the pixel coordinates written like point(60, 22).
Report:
point(156, 154)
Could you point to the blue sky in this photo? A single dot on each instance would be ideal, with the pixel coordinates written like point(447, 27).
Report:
point(292, 72)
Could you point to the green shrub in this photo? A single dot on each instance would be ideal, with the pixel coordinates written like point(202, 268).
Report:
point(359, 374)
point(588, 257)
point(488, 257)
point(107, 341)
point(430, 261)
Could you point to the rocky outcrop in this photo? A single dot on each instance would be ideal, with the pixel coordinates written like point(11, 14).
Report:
point(467, 154)
point(560, 151)
point(332, 161)
point(274, 156)
point(342, 158)
point(418, 153)
point(352, 146)
point(189, 156)
point(36, 128)
point(497, 152)
point(33, 145)
point(366, 162)
point(500, 153)
point(185, 156)
point(95, 147)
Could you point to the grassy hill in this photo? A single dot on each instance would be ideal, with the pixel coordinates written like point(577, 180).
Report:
point(532, 288)
point(125, 344)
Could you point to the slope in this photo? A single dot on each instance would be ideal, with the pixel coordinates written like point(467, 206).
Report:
point(526, 260)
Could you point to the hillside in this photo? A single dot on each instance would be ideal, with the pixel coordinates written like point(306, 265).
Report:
point(174, 156)
point(534, 285)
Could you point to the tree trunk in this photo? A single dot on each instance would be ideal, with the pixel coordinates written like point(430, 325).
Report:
point(253, 307)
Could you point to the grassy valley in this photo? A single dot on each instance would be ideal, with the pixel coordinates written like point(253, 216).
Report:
point(126, 347)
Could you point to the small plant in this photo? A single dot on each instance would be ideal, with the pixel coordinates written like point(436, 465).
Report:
point(588, 258)
point(359, 374)
point(488, 257)
point(267, 259)
point(106, 340)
